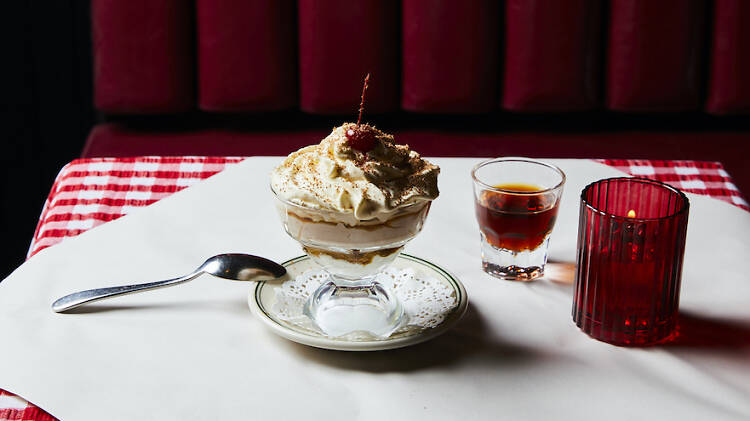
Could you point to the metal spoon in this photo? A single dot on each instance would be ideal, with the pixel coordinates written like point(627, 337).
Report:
point(235, 266)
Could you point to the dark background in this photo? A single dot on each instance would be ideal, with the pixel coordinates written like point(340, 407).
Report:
point(45, 108)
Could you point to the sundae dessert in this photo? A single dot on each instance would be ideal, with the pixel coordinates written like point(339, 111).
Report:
point(354, 199)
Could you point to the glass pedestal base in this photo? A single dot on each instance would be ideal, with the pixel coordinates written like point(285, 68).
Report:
point(339, 307)
point(511, 265)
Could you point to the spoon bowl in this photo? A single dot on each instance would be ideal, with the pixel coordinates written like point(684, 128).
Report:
point(241, 267)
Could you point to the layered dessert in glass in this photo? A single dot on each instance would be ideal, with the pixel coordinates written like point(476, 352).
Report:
point(353, 201)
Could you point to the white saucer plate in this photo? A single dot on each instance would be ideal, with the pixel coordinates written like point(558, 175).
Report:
point(262, 298)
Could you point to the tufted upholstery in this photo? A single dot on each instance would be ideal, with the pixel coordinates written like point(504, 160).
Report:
point(729, 84)
point(143, 56)
point(246, 55)
point(427, 56)
point(218, 67)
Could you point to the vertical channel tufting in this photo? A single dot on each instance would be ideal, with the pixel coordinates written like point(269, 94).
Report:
point(143, 56)
point(340, 41)
point(552, 59)
point(654, 55)
point(450, 55)
point(247, 55)
point(729, 72)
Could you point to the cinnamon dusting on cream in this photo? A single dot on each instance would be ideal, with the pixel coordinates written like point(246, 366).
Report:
point(373, 184)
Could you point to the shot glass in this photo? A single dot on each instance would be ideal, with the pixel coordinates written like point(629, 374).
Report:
point(516, 202)
point(631, 241)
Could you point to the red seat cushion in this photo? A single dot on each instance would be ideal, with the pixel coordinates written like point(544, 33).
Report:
point(653, 55)
point(247, 55)
point(447, 68)
point(729, 84)
point(114, 140)
point(552, 55)
point(340, 41)
point(143, 62)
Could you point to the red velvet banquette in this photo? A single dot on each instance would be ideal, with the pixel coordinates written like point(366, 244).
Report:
point(207, 76)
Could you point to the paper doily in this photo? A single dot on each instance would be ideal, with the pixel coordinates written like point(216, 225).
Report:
point(426, 301)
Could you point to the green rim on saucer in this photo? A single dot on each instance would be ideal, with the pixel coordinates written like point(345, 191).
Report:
point(262, 298)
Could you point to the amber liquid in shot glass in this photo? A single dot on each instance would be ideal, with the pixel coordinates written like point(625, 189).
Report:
point(516, 202)
point(515, 222)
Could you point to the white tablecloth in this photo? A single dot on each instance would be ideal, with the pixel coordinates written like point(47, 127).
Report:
point(196, 352)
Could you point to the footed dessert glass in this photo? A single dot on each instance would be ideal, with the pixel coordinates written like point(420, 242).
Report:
point(352, 252)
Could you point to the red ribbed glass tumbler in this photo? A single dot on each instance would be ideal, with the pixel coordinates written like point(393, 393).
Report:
point(631, 241)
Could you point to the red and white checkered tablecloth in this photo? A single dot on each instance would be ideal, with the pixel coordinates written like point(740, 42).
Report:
point(90, 192)
point(699, 177)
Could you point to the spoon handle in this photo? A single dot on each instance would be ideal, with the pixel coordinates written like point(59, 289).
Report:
point(82, 297)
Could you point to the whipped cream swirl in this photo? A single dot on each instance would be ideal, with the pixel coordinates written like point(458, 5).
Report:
point(371, 184)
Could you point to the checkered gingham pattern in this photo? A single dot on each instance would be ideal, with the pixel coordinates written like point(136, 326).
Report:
point(90, 192)
point(698, 177)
